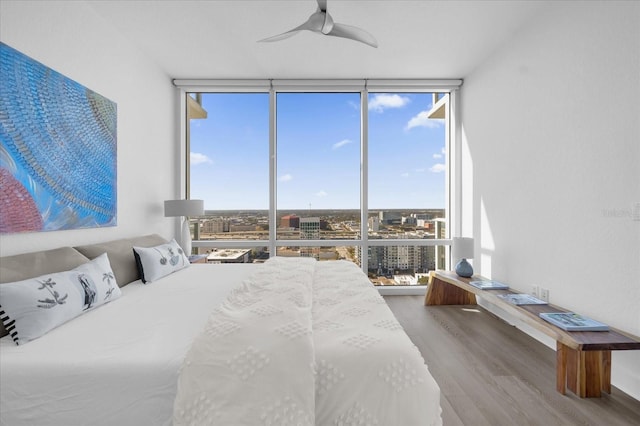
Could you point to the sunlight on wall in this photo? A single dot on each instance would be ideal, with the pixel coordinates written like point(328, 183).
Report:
point(487, 244)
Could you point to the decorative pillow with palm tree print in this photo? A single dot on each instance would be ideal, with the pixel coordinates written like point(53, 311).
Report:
point(160, 261)
point(31, 308)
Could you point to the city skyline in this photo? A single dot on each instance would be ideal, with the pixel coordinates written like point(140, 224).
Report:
point(318, 152)
point(405, 263)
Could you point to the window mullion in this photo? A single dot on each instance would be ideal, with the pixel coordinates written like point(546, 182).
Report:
point(272, 173)
point(364, 180)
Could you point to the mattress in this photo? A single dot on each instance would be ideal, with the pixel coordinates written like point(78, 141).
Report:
point(118, 364)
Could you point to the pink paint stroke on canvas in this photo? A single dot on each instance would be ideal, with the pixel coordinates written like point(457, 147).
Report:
point(18, 211)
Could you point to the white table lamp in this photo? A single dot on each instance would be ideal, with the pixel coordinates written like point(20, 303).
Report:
point(184, 209)
point(462, 249)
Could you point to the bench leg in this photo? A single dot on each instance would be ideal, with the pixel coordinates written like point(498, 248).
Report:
point(443, 293)
point(585, 373)
point(561, 368)
point(606, 371)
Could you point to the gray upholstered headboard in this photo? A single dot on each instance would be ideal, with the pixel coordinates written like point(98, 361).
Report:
point(30, 265)
point(120, 252)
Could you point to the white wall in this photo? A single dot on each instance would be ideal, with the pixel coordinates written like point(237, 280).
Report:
point(70, 38)
point(551, 143)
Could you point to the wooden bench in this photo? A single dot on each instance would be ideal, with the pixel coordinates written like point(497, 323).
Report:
point(583, 358)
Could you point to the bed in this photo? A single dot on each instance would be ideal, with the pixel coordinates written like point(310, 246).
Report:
point(284, 342)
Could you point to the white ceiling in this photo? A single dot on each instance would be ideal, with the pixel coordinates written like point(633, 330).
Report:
point(218, 38)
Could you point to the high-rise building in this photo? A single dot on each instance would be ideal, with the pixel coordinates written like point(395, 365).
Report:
point(440, 251)
point(390, 218)
point(310, 230)
point(290, 221)
point(215, 226)
point(410, 220)
point(386, 260)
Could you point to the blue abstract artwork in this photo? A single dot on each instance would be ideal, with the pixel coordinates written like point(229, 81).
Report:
point(58, 157)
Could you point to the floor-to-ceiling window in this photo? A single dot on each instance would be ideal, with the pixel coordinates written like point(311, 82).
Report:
point(228, 159)
point(407, 196)
point(335, 173)
point(318, 172)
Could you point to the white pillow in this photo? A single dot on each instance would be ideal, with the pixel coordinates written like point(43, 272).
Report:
point(160, 261)
point(30, 308)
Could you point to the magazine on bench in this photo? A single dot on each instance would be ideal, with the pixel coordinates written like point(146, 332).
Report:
point(522, 299)
point(571, 321)
point(489, 285)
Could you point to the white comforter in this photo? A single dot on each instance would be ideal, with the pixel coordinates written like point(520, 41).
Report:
point(301, 343)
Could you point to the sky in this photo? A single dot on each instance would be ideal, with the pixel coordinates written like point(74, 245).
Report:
point(318, 152)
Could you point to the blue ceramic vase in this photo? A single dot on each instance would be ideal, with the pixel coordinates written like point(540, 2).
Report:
point(464, 269)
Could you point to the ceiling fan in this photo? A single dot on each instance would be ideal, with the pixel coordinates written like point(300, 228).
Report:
point(321, 22)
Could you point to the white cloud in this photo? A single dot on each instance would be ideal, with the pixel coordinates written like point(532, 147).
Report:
point(285, 178)
point(421, 170)
point(422, 120)
point(321, 194)
point(196, 158)
point(341, 143)
point(383, 101)
point(404, 175)
point(437, 156)
point(438, 168)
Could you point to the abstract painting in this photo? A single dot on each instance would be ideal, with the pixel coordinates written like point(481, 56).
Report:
point(58, 150)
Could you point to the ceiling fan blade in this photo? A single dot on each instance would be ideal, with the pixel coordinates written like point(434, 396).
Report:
point(279, 36)
point(289, 33)
point(322, 5)
point(353, 33)
point(314, 23)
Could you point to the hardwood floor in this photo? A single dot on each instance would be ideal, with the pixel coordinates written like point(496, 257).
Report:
point(490, 373)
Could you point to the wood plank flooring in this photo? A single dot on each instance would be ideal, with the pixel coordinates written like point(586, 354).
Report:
point(490, 373)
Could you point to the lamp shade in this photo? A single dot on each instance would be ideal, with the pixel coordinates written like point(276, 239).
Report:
point(185, 208)
point(462, 248)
